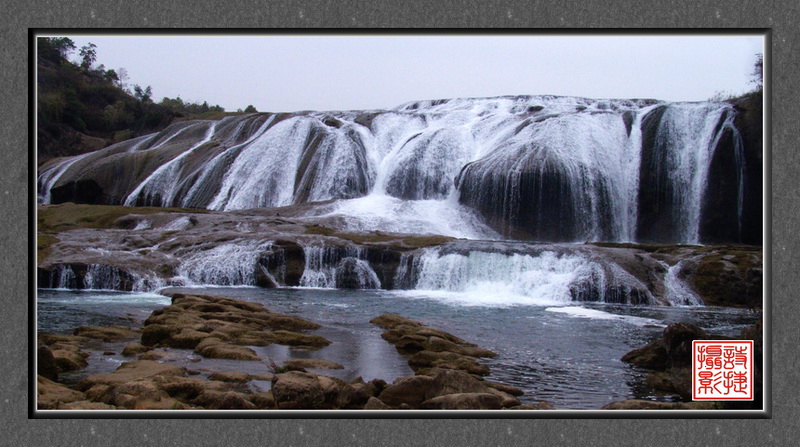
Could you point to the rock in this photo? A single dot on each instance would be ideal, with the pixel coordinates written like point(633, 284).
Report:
point(155, 354)
point(218, 400)
point(374, 403)
point(231, 376)
point(86, 405)
point(297, 339)
point(464, 401)
point(297, 390)
point(312, 363)
point(262, 401)
point(504, 388)
point(409, 390)
point(448, 360)
point(507, 400)
point(51, 395)
point(215, 348)
point(448, 381)
point(69, 357)
point(538, 406)
point(652, 356)
point(637, 404)
point(389, 321)
point(659, 381)
point(107, 333)
point(130, 371)
point(213, 325)
point(46, 365)
point(678, 339)
point(187, 339)
point(134, 348)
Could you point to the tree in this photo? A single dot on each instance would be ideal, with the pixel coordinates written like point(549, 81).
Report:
point(250, 109)
point(143, 95)
point(64, 45)
point(757, 76)
point(88, 54)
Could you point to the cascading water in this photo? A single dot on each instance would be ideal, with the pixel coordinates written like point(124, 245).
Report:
point(536, 168)
point(337, 267)
point(499, 278)
point(161, 186)
point(229, 264)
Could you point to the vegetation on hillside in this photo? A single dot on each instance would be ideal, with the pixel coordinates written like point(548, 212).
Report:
point(83, 106)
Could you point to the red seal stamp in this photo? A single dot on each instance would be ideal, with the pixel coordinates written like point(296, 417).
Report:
point(722, 370)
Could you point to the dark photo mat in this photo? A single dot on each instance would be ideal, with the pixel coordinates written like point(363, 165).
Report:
point(370, 432)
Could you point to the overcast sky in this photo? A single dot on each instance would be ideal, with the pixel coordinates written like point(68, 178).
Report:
point(290, 73)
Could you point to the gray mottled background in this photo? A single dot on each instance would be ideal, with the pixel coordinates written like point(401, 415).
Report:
point(17, 16)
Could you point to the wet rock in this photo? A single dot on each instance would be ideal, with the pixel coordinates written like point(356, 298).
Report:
point(464, 401)
point(218, 400)
point(46, 365)
point(130, 371)
point(313, 364)
point(215, 348)
point(134, 349)
point(219, 327)
point(262, 401)
point(86, 405)
point(678, 339)
point(297, 390)
point(448, 360)
point(504, 388)
point(448, 381)
point(51, 395)
point(69, 357)
point(637, 404)
point(231, 376)
point(374, 403)
point(107, 333)
point(652, 356)
point(409, 390)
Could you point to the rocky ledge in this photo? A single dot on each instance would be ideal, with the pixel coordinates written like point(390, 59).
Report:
point(448, 374)
point(669, 361)
point(124, 248)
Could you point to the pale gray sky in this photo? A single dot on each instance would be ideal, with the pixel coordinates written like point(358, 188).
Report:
point(317, 72)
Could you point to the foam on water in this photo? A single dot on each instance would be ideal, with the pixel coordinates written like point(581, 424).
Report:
point(584, 312)
point(390, 214)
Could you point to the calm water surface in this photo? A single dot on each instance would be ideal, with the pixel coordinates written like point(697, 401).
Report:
point(566, 354)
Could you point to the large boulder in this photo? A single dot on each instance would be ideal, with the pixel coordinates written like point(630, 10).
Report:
point(407, 390)
point(51, 395)
point(298, 390)
point(46, 365)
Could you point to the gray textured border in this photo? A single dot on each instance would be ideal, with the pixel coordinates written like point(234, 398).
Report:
point(14, 189)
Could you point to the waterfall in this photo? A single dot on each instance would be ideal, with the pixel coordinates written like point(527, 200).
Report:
point(160, 187)
point(337, 267)
point(48, 179)
point(540, 168)
point(496, 277)
point(229, 264)
point(677, 292)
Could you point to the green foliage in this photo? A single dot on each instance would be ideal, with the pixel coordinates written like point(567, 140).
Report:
point(183, 108)
point(757, 76)
point(75, 98)
point(88, 54)
point(250, 109)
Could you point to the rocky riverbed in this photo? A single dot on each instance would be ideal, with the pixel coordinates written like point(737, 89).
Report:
point(448, 372)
